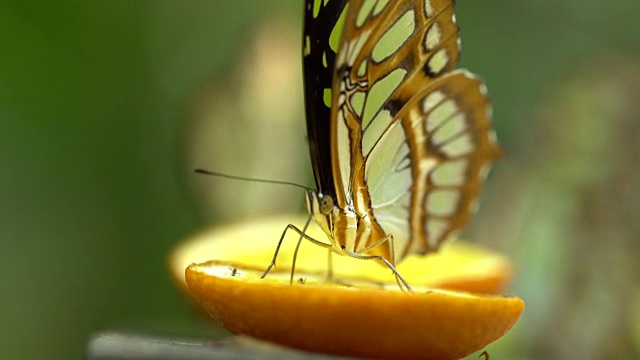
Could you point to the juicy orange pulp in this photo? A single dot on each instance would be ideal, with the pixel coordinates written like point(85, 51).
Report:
point(457, 266)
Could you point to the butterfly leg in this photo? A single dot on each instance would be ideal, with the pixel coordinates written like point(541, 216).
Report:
point(330, 266)
point(399, 279)
point(303, 235)
point(388, 238)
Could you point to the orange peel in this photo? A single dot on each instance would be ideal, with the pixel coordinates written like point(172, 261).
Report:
point(363, 321)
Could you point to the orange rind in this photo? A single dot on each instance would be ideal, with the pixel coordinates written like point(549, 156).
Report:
point(363, 319)
point(362, 312)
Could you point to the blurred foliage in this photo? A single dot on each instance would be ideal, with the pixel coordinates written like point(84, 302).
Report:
point(98, 106)
point(571, 205)
point(255, 116)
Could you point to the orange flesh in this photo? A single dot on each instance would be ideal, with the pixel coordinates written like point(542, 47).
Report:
point(457, 266)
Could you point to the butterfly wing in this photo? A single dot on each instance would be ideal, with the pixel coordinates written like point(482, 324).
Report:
point(322, 29)
point(420, 138)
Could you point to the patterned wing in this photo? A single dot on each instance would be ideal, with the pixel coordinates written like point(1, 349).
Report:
point(420, 134)
point(322, 29)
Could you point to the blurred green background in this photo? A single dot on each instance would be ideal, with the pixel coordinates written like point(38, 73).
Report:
point(101, 120)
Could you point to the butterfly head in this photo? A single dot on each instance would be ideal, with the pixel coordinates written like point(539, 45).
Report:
point(319, 204)
point(320, 207)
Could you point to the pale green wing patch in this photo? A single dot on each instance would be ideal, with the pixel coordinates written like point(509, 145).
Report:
point(421, 132)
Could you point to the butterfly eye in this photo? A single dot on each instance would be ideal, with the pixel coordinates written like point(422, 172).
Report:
point(326, 204)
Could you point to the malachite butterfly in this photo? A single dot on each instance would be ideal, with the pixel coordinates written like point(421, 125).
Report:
point(401, 143)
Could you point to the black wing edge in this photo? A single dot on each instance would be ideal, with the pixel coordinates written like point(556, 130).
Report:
point(317, 77)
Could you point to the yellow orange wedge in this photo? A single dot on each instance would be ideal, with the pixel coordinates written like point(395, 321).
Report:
point(361, 320)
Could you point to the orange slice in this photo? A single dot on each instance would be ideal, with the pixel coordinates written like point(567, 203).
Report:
point(458, 266)
point(370, 317)
point(364, 320)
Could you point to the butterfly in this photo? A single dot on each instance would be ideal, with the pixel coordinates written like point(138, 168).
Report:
point(400, 142)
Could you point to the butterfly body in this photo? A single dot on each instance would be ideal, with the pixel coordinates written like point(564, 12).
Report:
point(400, 143)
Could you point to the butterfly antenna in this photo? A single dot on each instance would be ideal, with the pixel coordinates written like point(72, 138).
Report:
point(227, 176)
